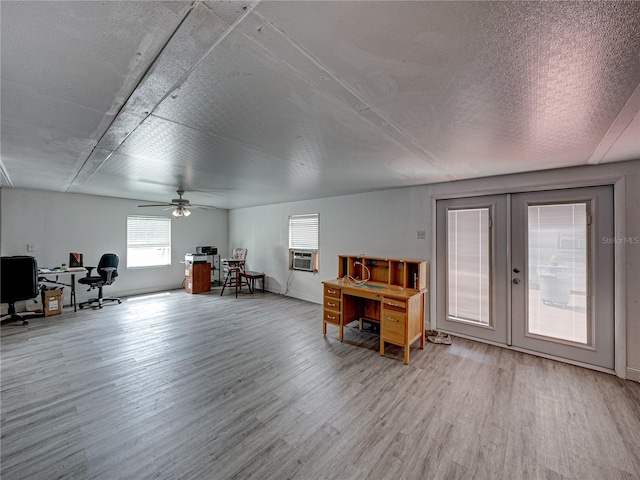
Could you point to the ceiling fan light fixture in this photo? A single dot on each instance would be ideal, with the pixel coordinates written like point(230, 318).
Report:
point(181, 211)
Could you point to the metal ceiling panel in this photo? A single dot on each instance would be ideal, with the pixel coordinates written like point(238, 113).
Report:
point(241, 92)
point(188, 45)
point(67, 67)
point(503, 86)
point(175, 155)
point(263, 102)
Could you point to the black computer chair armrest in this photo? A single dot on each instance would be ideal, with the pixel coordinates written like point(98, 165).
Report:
point(89, 271)
point(109, 271)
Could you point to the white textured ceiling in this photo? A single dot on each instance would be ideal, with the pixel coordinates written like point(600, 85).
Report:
point(250, 103)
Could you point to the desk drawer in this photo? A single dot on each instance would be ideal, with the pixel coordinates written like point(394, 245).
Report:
point(393, 326)
point(331, 292)
point(332, 317)
point(394, 305)
point(330, 303)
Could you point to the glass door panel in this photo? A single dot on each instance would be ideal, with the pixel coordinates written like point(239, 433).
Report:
point(468, 265)
point(557, 269)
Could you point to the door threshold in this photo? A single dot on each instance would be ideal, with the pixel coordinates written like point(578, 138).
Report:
point(531, 352)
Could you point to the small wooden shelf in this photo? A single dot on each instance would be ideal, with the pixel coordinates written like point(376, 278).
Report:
point(411, 274)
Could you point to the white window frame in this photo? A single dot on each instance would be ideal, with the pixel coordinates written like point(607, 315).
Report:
point(158, 246)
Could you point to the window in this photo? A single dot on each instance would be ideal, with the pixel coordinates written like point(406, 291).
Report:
point(303, 242)
point(148, 241)
point(303, 232)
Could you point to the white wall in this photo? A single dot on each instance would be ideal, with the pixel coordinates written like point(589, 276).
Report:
point(385, 223)
point(377, 223)
point(60, 223)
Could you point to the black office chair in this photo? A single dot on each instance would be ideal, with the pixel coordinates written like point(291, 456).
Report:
point(19, 276)
point(107, 273)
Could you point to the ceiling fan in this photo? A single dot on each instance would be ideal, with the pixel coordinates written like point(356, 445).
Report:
point(179, 205)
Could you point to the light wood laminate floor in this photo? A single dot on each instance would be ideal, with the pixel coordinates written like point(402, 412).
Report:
point(208, 387)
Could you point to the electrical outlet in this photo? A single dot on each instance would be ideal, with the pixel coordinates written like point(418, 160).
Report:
point(31, 247)
point(421, 233)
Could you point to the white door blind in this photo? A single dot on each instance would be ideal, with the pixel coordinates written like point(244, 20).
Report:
point(148, 241)
point(303, 231)
point(468, 260)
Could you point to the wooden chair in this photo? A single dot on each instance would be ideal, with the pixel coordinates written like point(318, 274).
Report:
point(253, 277)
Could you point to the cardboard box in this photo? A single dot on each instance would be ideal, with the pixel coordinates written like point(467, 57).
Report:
point(52, 301)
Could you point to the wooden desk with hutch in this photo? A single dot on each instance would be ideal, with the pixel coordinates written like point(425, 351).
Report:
point(393, 297)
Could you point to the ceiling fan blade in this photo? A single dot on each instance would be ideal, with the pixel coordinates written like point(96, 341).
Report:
point(178, 203)
point(201, 207)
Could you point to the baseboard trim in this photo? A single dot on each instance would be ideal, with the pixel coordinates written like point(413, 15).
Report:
point(633, 374)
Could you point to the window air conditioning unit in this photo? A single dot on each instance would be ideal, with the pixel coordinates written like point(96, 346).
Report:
point(304, 261)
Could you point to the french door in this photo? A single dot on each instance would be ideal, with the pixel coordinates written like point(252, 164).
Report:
point(530, 270)
point(472, 255)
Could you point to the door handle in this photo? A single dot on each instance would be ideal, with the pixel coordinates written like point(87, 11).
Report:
point(516, 281)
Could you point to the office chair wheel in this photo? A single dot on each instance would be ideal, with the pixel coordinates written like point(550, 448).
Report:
point(25, 322)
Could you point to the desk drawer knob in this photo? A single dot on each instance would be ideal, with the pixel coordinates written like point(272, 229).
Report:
point(331, 291)
point(394, 304)
point(392, 319)
point(331, 317)
point(331, 304)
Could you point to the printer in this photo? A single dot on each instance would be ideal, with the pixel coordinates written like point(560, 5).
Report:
point(195, 258)
point(206, 250)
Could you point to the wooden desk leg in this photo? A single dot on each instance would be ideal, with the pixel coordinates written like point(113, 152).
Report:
point(324, 328)
point(341, 335)
point(406, 354)
point(422, 341)
point(381, 347)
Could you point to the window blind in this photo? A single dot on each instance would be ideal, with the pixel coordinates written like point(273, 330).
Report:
point(468, 264)
point(148, 241)
point(303, 231)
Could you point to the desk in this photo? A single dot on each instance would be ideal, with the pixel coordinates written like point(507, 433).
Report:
point(43, 273)
point(398, 310)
